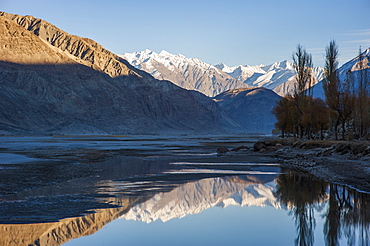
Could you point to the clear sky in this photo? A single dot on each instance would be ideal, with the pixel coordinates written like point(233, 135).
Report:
point(233, 32)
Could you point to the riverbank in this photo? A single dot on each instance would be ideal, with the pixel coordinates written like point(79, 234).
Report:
point(52, 160)
point(341, 162)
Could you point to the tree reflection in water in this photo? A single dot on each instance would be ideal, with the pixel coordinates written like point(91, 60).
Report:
point(301, 193)
point(348, 214)
point(346, 211)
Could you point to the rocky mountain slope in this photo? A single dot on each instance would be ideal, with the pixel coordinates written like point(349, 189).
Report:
point(251, 106)
point(188, 73)
point(54, 82)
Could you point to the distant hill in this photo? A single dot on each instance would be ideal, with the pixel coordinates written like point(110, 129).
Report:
point(252, 107)
point(55, 82)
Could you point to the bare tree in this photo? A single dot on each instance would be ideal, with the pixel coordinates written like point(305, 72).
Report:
point(303, 66)
point(331, 84)
point(303, 85)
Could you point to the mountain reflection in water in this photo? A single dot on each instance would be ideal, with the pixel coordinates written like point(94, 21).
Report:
point(346, 212)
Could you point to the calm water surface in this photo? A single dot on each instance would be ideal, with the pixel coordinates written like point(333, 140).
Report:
point(177, 191)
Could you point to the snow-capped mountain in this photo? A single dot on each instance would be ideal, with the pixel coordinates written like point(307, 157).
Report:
point(194, 74)
point(188, 73)
point(278, 76)
point(353, 66)
point(195, 197)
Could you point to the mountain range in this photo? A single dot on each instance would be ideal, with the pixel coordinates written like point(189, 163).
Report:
point(278, 76)
point(55, 82)
point(52, 82)
point(188, 73)
point(211, 80)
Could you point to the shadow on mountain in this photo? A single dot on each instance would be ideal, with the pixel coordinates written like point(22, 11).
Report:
point(73, 98)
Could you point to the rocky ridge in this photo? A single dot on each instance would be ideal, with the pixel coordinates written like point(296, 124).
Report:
point(82, 50)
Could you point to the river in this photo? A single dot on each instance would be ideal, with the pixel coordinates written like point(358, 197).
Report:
point(167, 190)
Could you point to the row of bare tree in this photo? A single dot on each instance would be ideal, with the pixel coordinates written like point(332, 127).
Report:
point(347, 103)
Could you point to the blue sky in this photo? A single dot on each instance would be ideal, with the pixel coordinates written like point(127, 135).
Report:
point(233, 32)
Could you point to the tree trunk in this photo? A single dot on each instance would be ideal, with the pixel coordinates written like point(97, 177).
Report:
point(336, 129)
point(343, 129)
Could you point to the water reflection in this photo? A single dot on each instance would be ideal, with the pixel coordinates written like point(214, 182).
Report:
point(195, 197)
point(150, 198)
point(58, 233)
point(348, 214)
point(174, 199)
point(346, 211)
point(301, 194)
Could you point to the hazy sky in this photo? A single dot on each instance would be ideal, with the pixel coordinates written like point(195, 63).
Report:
point(233, 32)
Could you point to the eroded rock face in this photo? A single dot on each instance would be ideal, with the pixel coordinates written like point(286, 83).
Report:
point(54, 82)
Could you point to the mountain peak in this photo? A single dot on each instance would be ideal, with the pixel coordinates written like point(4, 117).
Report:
point(223, 67)
point(282, 65)
point(165, 53)
point(147, 51)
